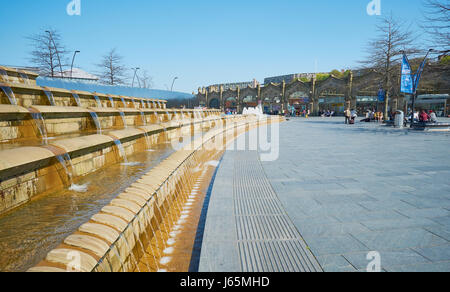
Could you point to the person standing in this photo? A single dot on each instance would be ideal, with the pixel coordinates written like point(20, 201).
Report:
point(347, 116)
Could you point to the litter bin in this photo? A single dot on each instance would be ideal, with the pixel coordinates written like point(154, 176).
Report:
point(399, 119)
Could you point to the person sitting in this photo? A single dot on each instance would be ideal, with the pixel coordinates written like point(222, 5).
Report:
point(424, 117)
point(433, 117)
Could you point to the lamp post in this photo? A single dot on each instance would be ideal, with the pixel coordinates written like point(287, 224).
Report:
point(56, 50)
point(73, 60)
point(135, 73)
point(173, 82)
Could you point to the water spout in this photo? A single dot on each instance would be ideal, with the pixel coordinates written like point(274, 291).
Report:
point(96, 122)
point(144, 121)
point(124, 121)
point(63, 160)
point(123, 102)
point(10, 94)
point(40, 124)
point(97, 99)
point(111, 101)
point(4, 75)
point(50, 97)
point(24, 77)
point(77, 99)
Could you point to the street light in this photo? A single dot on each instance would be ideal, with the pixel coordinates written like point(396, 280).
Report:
point(73, 59)
point(56, 50)
point(135, 74)
point(173, 83)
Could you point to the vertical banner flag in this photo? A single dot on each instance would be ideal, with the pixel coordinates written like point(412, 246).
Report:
point(407, 79)
point(381, 95)
point(419, 74)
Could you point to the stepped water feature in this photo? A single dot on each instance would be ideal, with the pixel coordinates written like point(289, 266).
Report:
point(97, 99)
point(50, 97)
point(123, 102)
point(4, 75)
point(24, 77)
point(77, 98)
point(111, 101)
point(10, 94)
point(144, 120)
point(96, 121)
point(64, 159)
point(40, 124)
point(116, 195)
point(124, 120)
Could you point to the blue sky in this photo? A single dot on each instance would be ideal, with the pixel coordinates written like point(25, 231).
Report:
point(204, 42)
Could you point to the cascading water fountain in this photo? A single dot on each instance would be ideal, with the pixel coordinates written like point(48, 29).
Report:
point(50, 97)
point(77, 99)
point(96, 122)
point(24, 77)
point(40, 124)
point(4, 75)
point(122, 153)
point(97, 99)
point(10, 94)
point(124, 121)
point(63, 160)
point(123, 102)
point(111, 101)
point(144, 121)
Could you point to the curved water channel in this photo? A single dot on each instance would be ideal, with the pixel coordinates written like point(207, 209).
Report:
point(29, 232)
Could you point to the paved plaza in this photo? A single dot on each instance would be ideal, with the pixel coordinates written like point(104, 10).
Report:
point(338, 192)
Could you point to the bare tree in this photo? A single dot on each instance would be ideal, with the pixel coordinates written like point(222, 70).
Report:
point(112, 71)
point(437, 22)
point(385, 53)
point(146, 80)
point(48, 54)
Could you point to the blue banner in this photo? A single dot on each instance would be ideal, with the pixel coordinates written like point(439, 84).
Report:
point(407, 85)
point(381, 95)
point(419, 74)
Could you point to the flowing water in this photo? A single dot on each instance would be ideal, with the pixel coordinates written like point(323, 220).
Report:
point(10, 94)
point(111, 101)
point(40, 124)
point(29, 232)
point(122, 115)
point(4, 75)
point(97, 99)
point(123, 102)
point(77, 99)
point(96, 122)
point(144, 121)
point(50, 97)
point(24, 77)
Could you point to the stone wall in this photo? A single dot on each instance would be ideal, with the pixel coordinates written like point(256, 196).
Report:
point(115, 239)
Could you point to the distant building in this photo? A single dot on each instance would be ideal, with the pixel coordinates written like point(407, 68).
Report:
point(289, 78)
point(233, 86)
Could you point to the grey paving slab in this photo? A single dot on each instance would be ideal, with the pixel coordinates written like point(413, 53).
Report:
point(347, 190)
point(250, 231)
point(387, 189)
point(387, 258)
